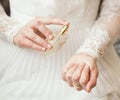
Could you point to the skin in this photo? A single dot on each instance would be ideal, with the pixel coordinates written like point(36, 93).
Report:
point(81, 69)
point(35, 33)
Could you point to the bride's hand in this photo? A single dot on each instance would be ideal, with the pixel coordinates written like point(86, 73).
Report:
point(35, 34)
point(81, 72)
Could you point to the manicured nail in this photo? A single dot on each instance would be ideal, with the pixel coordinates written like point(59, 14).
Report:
point(50, 36)
point(66, 23)
point(49, 46)
point(43, 48)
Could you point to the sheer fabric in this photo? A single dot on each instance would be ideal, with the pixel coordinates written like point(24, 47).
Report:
point(104, 31)
point(8, 26)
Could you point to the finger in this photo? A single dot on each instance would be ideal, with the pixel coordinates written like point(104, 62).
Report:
point(85, 76)
point(77, 86)
point(64, 72)
point(93, 80)
point(76, 76)
point(77, 73)
point(69, 75)
point(42, 29)
point(37, 39)
point(52, 20)
point(29, 44)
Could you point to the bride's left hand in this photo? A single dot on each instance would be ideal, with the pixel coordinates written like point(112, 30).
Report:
point(81, 72)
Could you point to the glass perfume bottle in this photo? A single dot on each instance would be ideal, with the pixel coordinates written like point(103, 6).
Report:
point(59, 40)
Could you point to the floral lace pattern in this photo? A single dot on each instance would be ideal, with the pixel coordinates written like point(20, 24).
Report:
point(8, 26)
point(104, 31)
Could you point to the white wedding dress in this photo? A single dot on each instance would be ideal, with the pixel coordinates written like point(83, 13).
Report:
point(26, 74)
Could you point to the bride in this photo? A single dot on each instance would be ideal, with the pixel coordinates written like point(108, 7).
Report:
point(26, 74)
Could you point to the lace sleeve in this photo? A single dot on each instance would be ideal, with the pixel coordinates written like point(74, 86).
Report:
point(104, 31)
point(8, 26)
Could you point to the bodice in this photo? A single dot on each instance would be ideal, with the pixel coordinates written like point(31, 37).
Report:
point(75, 9)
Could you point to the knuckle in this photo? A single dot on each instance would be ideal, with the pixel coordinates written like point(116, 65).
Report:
point(75, 78)
point(83, 82)
point(69, 76)
point(35, 24)
point(33, 37)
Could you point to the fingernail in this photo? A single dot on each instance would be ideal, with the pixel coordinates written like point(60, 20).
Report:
point(49, 46)
point(50, 36)
point(43, 48)
point(66, 23)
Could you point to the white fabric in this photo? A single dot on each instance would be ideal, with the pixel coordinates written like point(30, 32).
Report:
point(27, 75)
point(104, 31)
point(8, 26)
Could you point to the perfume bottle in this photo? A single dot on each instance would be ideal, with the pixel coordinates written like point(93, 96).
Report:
point(59, 40)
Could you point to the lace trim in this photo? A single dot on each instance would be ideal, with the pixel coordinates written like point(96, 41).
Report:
point(100, 38)
point(96, 44)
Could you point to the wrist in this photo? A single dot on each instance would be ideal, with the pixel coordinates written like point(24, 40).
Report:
point(88, 52)
point(13, 32)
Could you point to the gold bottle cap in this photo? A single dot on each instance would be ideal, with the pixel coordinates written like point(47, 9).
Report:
point(64, 29)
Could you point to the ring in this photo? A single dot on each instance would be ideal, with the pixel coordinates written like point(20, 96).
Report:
point(77, 86)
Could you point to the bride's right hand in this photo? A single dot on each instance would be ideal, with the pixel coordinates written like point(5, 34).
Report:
point(35, 34)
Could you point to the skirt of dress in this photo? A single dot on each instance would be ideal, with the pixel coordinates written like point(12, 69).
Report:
point(26, 74)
